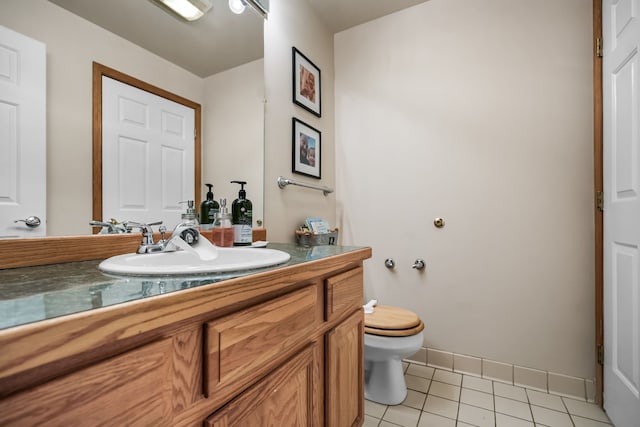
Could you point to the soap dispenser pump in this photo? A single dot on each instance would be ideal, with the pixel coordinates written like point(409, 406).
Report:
point(242, 214)
point(209, 209)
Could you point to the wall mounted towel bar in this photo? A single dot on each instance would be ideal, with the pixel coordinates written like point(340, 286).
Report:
point(283, 182)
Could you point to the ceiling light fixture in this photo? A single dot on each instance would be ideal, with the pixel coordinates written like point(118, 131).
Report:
point(237, 6)
point(188, 9)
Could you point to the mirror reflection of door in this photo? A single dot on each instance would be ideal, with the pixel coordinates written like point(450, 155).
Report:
point(149, 154)
point(22, 136)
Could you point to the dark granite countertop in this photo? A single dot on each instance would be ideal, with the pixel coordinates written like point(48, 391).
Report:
point(32, 294)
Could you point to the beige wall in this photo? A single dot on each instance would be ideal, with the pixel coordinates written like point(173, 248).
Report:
point(233, 137)
point(478, 112)
point(72, 45)
point(293, 23)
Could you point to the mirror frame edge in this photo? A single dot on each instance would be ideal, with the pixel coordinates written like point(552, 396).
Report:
point(100, 70)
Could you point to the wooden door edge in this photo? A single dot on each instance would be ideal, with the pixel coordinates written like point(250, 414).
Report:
point(598, 187)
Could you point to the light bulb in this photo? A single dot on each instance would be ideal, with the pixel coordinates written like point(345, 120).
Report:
point(237, 6)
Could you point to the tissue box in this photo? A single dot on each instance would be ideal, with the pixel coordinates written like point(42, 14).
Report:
point(306, 238)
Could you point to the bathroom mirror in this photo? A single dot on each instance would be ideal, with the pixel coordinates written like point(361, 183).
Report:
point(137, 38)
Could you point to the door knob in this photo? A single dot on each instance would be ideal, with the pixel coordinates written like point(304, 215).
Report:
point(389, 263)
point(32, 221)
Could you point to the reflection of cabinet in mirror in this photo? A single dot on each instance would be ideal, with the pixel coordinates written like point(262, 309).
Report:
point(146, 157)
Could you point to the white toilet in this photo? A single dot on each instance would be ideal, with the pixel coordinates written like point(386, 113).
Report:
point(391, 334)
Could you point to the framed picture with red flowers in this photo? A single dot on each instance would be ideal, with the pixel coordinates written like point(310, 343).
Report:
point(306, 83)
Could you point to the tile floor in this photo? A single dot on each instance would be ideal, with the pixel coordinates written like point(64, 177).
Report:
point(439, 398)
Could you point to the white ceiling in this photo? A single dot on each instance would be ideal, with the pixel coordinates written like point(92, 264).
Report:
point(220, 40)
point(342, 14)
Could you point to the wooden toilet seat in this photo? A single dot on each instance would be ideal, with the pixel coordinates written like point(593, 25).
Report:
point(392, 322)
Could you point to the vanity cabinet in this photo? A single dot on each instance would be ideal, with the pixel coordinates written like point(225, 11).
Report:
point(284, 348)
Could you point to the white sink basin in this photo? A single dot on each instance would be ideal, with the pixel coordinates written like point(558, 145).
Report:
point(201, 259)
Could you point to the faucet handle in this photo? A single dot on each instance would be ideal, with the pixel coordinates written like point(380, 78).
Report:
point(145, 227)
point(102, 224)
point(147, 231)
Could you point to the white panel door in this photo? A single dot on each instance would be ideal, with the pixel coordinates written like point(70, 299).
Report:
point(148, 154)
point(621, 162)
point(23, 186)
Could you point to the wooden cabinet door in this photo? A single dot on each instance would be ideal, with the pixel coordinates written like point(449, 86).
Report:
point(344, 375)
point(291, 396)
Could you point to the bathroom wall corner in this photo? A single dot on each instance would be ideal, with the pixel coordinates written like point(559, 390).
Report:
point(294, 23)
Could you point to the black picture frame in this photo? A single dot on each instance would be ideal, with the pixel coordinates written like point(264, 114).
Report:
point(306, 83)
point(306, 149)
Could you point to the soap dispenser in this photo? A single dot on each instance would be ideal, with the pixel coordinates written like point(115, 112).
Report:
point(242, 213)
point(208, 210)
point(222, 234)
point(190, 218)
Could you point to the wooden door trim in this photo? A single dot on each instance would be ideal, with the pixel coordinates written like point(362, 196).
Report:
point(598, 186)
point(100, 70)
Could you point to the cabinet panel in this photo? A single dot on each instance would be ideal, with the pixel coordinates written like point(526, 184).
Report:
point(132, 389)
point(344, 292)
point(288, 397)
point(187, 368)
point(242, 345)
point(344, 374)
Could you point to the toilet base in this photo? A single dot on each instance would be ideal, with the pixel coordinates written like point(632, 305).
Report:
point(384, 382)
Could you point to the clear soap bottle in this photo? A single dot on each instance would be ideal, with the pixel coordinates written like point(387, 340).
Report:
point(190, 219)
point(222, 233)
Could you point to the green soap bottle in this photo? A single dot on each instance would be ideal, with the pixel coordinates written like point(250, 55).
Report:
point(209, 209)
point(242, 217)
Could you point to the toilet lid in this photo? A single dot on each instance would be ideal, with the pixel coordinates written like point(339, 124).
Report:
point(392, 321)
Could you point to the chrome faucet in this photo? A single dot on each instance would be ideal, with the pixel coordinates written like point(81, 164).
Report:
point(109, 227)
point(184, 231)
point(147, 245)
